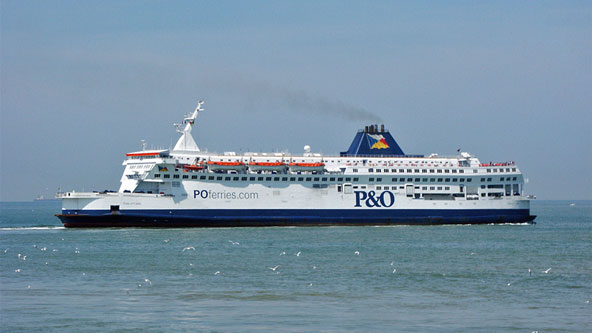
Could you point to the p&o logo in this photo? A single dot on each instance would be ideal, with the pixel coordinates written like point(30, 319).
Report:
point(371, 199)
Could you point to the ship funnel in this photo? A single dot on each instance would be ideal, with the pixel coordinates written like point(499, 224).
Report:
point(374, 141)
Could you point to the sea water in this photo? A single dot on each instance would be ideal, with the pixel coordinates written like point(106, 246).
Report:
point(489, 278)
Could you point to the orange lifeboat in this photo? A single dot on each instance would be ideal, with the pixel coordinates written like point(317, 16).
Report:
point(224, 166)
point(318, 166)
point(268, 166)
point(193, 167)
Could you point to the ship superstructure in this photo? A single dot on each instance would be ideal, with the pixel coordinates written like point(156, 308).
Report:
point(372, 183)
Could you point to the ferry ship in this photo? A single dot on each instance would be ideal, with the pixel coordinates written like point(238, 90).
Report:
point(372, 183)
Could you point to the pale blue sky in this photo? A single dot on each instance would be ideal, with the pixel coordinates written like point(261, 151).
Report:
point(83, 82)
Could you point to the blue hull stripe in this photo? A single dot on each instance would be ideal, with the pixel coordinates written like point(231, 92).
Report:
point(268, 217)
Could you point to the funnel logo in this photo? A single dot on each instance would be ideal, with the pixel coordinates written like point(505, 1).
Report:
point(378, 141)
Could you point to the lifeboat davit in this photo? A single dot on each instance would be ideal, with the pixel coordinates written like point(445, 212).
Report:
point(319, 167)
point(268, 166)
point(226, 166)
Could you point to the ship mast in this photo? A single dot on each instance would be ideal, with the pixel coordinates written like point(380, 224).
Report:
point(186, 141)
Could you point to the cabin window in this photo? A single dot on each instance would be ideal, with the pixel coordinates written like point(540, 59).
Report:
point(292, 179)
point(439, 171)
point(243, 179)
point(378, 170)
point(157, 175)
point(439, 180)
point(431, 170)
point(284, 179)
point(447, 180)
point(379, 179)
point(469, 180)
point(425, 180)
point(194, 177)
point(185, 176)
point(332, 179)
point(300, 179)
point(453, 170)
point(235, 178)
point(371, 170)
point(371, 179)
point(513, 178)
point(340, 179)
point(260, 179)
point(210, 177)
point(176, 176)
point(251, 179)
point(348, 179)
point(417, 180)
point(275, 179)
point(424, 171)
point(268, 179)
point(461, 171)
point(316, 179)
point(308, 179)
point(482, 179)
point(425, 188)
point(324, 179)
point(167, 176)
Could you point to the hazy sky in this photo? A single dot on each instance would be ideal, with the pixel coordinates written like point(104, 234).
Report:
point(83, 82)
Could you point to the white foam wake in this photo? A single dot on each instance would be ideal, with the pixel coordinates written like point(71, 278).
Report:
point(32, 228)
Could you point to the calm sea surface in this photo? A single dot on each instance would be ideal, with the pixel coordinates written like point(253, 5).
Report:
point(422, 278)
